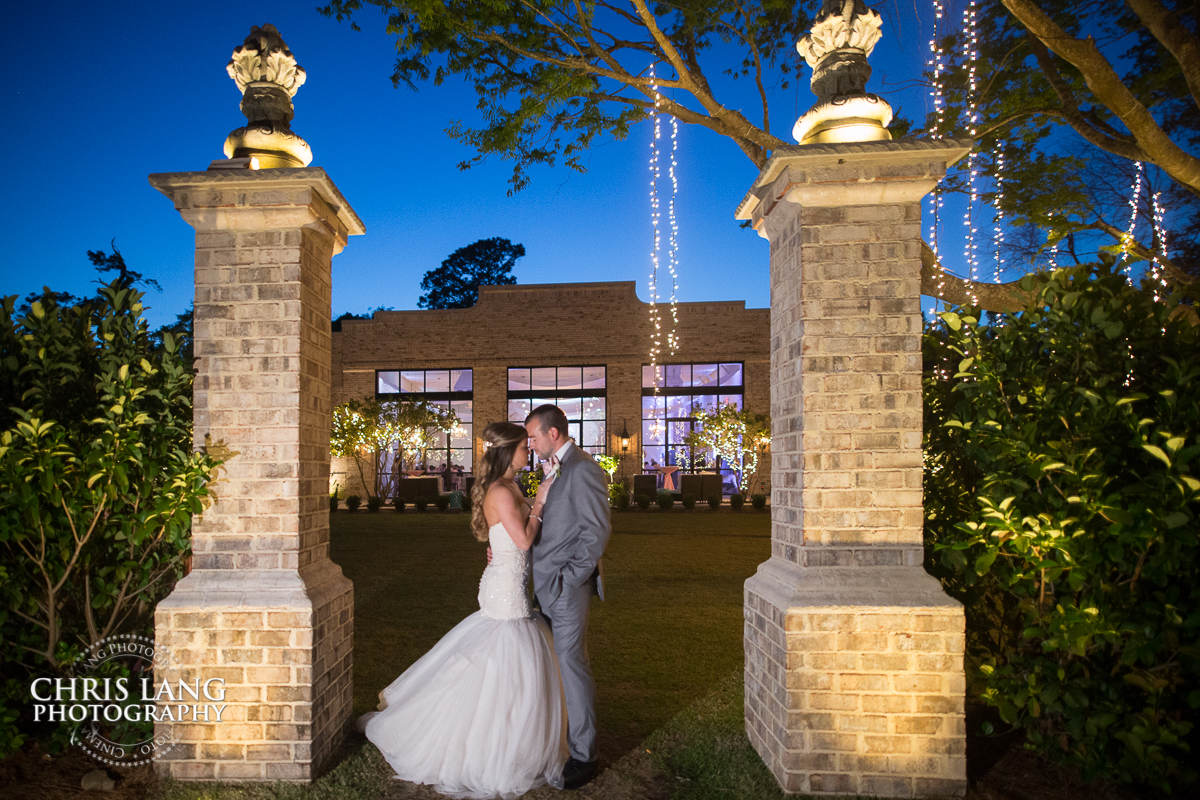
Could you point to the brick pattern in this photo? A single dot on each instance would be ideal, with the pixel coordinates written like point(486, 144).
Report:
point(587, 323)
point(263, 608)
point(853, 655)
point(872, 698)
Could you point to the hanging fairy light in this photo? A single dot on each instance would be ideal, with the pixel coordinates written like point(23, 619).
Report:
point(673, 239)
point(937, 61)
point(997, 204)
point(655, 215)
point(1160, 246)
point(970, 55)
point(1127, 239)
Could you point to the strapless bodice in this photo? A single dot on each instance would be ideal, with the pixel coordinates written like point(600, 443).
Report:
point(502, 593)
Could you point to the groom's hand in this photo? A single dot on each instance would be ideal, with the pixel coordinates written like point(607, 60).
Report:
point(489, 555)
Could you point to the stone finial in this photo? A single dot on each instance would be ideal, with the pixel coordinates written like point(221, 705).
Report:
point(843, 35)
point(268, 76)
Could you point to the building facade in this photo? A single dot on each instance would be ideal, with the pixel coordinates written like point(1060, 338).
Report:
point(583, 346)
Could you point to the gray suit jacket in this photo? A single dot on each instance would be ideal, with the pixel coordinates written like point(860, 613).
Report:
point(575, 529)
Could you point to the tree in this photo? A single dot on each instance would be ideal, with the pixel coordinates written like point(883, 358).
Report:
point(384, 436)
point(98, 479)
point(734, 434)
point(455, 284)
point(1062, 505)
point(551, 76)
point(1077, 94)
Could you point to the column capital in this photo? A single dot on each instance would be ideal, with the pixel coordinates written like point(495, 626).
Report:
point(849, 174)
point(261, 199)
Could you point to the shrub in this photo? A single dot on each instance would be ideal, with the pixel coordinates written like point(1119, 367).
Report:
point(664, 500)
point(98, 483)
point(643, 501)
point(374, 504)
point(714, 502)
point(736, 501)
point(1062, 504)
point(758, 501)
point(617, 491)
point(333, 503)
point(420, 504)
point(398, 504)
point(688, 501)
point(442, 501)
point(466, 502)
point(353, 501)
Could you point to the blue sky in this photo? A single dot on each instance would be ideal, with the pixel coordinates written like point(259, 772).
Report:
point(99, 95)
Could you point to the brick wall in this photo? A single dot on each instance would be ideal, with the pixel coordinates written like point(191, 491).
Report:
point(547, 325)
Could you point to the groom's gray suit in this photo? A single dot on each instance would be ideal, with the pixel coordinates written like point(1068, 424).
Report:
point(566, 573)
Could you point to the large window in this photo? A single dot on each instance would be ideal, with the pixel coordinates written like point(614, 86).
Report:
point(448, 388)
point(668, 416)
point(579, 391)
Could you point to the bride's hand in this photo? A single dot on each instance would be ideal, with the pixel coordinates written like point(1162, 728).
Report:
point(542, 491)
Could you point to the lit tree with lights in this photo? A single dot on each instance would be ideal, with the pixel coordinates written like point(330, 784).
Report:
point(369, 431)
point(733, 434)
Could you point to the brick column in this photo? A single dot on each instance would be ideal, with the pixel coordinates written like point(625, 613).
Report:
point(853, 668)
point(264, 608)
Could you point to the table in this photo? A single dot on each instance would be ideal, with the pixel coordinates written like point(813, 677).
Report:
point(668, 477)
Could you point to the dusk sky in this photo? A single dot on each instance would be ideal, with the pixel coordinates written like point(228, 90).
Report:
point(98, 96)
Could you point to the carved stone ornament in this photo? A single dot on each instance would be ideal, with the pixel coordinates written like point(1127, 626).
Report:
point(842, 36)
point(268, 76)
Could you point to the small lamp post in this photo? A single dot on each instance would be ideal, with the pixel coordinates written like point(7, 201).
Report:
point(624, 439)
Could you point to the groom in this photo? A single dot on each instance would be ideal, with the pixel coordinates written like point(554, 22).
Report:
point(566, 573)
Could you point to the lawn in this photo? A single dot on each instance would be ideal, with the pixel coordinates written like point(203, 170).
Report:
point(670, 629)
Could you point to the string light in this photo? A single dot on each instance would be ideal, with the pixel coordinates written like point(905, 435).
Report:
point(970, 55)
point(1127, 239)
point(1160, 248)
point(673, 241)
point(937, 60)
point(655, 172)
point(997, 203)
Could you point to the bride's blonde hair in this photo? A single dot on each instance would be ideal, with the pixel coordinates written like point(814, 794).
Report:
point(500, 443)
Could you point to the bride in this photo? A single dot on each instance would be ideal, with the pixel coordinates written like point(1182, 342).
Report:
point(482, 714)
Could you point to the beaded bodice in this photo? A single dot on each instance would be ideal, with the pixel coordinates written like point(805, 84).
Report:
point(502, 592)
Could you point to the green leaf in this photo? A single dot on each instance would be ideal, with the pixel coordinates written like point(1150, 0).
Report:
point(952, 320)
point(1158, 453)
point(1176, 519)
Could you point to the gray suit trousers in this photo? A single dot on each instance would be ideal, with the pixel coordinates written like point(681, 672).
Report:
point(568, 618)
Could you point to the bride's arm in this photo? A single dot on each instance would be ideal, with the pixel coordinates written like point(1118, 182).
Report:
point(521, 529)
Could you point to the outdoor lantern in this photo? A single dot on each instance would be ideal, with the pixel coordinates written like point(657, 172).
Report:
point(624, 437)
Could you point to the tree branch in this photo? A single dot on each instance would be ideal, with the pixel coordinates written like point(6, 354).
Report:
point(1110, 91)
point(1178, 40)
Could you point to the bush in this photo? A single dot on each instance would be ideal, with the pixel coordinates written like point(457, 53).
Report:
point(374, 504)
point(688, 501)
point(442, 501)
point(714, 502)
point(736, 501)
point(758, 501)
point(618, 494)
point(643, 501)
point(1062, 506)
point(398, 504)
point(466, 502)
point(333, 503)
point(353, 501)
point(98, 484)
point(420, 504)
point(664, 500)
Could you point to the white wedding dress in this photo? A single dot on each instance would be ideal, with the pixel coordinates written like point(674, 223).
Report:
point(480, 715)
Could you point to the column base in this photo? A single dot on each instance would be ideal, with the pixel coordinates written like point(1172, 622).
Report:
point(854, 680)
point(281, 641)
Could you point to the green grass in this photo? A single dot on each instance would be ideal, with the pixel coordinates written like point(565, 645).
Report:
point(704, 751)
point(669, 630)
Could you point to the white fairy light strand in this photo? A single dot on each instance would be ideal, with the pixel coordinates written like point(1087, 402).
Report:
point(997, 204)
point(1160, 245)
point(673, 239)
point(937, 60)
point(1127, 239)
point(655, 318)
point(970, 55)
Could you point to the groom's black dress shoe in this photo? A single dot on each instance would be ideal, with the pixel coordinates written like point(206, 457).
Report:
point(576, 773)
